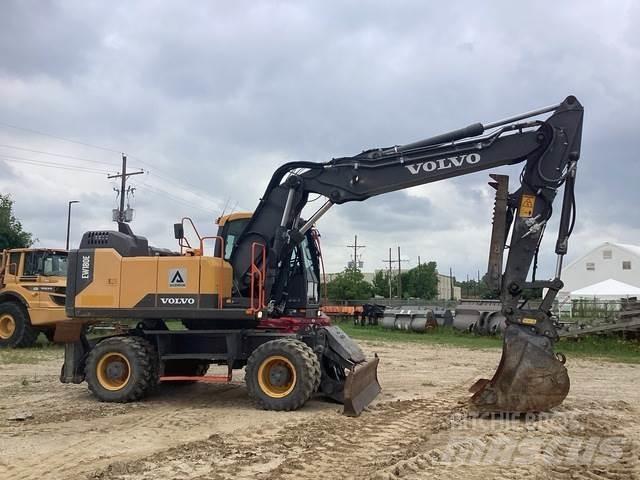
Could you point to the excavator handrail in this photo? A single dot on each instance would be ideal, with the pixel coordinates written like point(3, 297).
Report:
point(193, 226)
point(259, 273)
point(212, 237)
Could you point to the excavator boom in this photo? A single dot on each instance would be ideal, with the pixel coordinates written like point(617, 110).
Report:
point(529, 377)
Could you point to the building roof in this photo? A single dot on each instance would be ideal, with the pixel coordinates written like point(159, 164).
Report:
point(608, 287)
point(633, 249)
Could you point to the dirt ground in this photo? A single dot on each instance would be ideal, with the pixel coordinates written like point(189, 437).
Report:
point(419, 427)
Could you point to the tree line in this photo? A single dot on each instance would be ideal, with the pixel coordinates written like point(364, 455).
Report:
point(418, 282)
point(12, 235)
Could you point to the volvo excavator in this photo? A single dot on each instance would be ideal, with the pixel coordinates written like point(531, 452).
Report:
point(254, 302)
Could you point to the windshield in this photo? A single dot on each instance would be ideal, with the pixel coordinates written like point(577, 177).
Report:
point(54, 264)
point(231, 234)
point(48, 264)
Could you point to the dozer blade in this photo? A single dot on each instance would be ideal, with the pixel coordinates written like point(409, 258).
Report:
point(361, 387)
point(529, 377)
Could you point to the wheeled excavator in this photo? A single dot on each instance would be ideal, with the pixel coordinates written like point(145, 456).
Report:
point(254, 302)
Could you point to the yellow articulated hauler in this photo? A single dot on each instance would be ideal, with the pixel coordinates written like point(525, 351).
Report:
point(32, 294)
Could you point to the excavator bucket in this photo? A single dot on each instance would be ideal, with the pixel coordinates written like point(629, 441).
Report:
point(361, 387)
point(530, 377)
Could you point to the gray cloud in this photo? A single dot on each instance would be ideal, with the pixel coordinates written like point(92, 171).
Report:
point(217, 95)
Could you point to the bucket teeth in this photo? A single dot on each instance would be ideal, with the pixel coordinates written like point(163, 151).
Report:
point(529, 377)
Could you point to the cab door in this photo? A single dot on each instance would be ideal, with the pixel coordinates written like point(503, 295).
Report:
point(29, 278)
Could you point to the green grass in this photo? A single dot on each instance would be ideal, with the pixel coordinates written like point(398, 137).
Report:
point(36, 354)
point(601, 347)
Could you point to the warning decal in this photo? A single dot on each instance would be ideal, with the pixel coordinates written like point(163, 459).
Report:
point(527, 202)
point(178, 277)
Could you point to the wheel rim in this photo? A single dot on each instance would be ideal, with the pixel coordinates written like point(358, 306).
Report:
point(7, 326)
point(277, 376)
point(113, 371)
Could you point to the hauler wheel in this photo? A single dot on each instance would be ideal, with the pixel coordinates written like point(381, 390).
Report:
point(121, 369)
point(282, 374)
point(15, 327)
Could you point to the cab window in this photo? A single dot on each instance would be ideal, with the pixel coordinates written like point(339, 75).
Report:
point(14, 263)
point(233, 230)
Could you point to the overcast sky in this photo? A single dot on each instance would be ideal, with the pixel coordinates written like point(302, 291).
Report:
point(209, 97)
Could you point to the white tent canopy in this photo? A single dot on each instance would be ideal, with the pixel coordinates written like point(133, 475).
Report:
point(607, 290)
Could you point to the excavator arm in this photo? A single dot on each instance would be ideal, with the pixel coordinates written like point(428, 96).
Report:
point(529, 377)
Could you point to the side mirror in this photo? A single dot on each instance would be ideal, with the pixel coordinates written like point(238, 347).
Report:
point(178, 231)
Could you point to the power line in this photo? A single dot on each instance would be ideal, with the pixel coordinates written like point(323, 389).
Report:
point(172, 191)
point(62, 155)
point(165, 194)
point(86, 144)
point(57, 137)
point(174, 181)
point(53, 165)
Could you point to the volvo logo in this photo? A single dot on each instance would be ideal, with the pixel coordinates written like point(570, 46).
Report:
point(177, 301)
point(444, 163)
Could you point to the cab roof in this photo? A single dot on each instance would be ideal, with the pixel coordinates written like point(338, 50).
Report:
point(56, 250)
point(233, 216)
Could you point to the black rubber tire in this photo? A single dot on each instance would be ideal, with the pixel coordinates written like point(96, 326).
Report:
point(305, 363)
point(49, 333)
point(24, 335)
point(143, 361)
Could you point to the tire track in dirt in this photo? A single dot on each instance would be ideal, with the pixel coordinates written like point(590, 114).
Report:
point(126, 434)
point(574, 443)
point(410, 440)
point(327, 446)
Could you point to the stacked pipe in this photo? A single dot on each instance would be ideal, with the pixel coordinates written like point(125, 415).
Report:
point(444, 316)
point(415, 319)
point(483, 318)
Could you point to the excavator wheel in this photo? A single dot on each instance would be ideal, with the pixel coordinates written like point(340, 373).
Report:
point(122, 369)
point(282, 374)
point(15, 327)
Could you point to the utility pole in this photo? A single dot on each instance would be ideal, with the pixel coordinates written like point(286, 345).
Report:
point(399, 274)
point(467, 284)
point(69, 220)
point(123, 187)
point(389, 272)
point(451, 282)
point(390, 262)
point(355, 247)
point(418, 260)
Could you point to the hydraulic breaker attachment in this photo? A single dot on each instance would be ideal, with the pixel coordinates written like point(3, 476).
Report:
point(361, 387)
point(530, 377)
point(347, 376)
point(499, 230)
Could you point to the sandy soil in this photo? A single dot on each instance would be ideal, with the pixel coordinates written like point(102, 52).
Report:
point(419, 427)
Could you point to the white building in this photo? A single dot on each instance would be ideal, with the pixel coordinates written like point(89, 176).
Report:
point(444, 288)
point(617, 261)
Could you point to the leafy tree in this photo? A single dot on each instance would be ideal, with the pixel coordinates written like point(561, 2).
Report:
point(11, 233)
point(420, 281)
point(381, 283)
point(349, 285)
